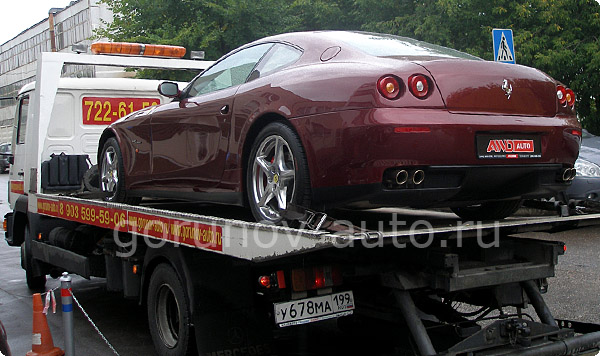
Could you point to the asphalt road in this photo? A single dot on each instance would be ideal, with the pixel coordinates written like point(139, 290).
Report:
point(574, 294)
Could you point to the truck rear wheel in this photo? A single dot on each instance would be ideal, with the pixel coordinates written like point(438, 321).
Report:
point(169, 316)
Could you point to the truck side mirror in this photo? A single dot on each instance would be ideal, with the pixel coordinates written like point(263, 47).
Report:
point(169, 89)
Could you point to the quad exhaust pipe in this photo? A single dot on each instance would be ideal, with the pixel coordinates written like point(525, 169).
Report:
point(402, 176)
point(568, 174)
point(418, 177)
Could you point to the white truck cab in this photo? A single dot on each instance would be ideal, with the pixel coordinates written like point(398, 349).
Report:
point(58, 121)
point(82, 108)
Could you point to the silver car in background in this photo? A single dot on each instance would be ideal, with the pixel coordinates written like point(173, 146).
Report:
point(586, 185)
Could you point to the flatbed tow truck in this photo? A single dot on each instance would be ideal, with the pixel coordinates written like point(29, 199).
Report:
point(216, 284)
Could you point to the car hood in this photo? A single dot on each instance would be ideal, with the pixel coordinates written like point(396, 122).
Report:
point(591, 154)
point(483, 87)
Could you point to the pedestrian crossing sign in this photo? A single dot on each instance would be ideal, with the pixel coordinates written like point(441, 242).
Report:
point(504, 49)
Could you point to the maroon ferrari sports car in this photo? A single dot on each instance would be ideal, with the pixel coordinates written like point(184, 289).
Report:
point(349, 119)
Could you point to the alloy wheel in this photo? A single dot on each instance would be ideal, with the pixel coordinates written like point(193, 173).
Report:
point(273, 177)
point(109, 177)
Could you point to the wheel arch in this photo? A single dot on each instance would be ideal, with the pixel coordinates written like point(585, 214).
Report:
point(173, 256)
point(20, 220)
point(106, 135)
point(253, 131)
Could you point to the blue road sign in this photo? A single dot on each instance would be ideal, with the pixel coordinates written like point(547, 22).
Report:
point(504, 49)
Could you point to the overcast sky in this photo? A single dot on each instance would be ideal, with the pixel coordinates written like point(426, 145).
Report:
point(18, 15)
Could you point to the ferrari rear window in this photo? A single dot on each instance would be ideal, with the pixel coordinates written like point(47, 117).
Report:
point(395, 46)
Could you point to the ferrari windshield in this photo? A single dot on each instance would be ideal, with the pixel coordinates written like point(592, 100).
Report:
point(381, 45)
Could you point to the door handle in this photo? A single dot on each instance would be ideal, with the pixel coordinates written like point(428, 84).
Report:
point(21, 173)
point(224, 110)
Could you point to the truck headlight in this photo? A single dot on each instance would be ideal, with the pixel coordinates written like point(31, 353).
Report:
point(586, 168)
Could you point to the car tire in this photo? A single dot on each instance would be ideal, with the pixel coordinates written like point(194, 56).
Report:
point(488, 211)
point(34, 283)
point(169, 316)
point(277, 174)
point(112, 174)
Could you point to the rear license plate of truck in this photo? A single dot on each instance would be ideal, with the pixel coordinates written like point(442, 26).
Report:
point(309, 310)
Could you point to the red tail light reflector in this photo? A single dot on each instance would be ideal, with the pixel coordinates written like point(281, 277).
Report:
point(570, 97)
point(316, 278)
point(411, 129)
point(418, 85)
point(280, 279)
point(561, 94)
point(389, 87)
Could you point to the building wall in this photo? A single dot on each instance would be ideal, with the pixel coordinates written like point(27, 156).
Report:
point(75, 24)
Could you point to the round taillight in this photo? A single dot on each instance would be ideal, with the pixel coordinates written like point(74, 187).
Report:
point(389, 87)
point(418, 85)
point(561, 94)
point(570, 96)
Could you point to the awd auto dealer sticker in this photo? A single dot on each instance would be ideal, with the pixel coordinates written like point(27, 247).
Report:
point(502, 147)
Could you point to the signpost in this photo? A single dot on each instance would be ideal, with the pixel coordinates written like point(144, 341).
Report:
point(504, 49)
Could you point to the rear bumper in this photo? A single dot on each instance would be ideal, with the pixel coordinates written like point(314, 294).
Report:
point(447, 186)
point(356, 147)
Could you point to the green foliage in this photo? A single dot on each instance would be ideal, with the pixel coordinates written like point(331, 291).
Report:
point(559, 37)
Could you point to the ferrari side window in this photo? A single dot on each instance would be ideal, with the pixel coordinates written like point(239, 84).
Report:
point(231, 71)
point(279, 57)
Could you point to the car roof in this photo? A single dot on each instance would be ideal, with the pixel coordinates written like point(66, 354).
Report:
point(348, 39)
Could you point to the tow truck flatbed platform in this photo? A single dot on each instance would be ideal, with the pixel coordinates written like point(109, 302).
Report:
point(184, 223)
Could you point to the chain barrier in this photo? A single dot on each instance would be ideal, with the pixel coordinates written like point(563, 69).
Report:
point(94, 325)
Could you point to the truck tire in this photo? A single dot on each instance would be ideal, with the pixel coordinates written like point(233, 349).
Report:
point(169, 316)
point(488, 211)
point(34, 283)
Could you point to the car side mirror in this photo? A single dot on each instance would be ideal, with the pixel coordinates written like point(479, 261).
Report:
point(169, 89)
point(11, 159)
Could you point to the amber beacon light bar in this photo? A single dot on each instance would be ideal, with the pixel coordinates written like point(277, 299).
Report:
point(138, 49)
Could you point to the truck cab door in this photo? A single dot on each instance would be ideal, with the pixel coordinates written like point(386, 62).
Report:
point(19, 148)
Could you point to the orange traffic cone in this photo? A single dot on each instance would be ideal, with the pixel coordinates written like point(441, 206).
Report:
point(42, 344)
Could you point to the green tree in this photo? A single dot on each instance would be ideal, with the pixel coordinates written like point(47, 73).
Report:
point(559, 37)
point(210, 25)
